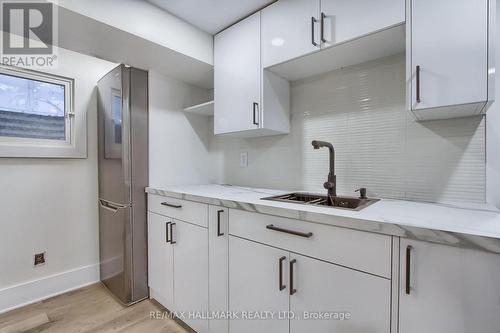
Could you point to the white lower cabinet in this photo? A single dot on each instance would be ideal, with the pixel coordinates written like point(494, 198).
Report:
point(227, 268)
point(160, 260)
point(254, 287)
point(322, 288)
point(268, 280)
point(218, 267)
point(448, 289)
point(190, 243)
point(178, 258)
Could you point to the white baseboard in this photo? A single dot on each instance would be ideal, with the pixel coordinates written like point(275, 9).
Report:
point(112, 267)
point(33, 291)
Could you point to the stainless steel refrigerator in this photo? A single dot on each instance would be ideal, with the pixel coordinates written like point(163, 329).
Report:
point(123, 176)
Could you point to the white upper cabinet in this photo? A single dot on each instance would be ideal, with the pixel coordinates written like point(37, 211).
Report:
point(248, 100)
point(448, 57)
point(237, 78)
point(448, 289)
point(290, 29)
point(344, 20)
point(294, 28)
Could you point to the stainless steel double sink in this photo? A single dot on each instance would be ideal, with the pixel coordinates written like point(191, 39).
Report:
point(350, 203)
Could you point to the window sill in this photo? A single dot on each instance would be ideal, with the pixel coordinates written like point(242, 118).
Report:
point(15, 150)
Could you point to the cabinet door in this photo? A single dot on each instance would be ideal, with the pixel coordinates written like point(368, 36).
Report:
point(218, 266)
point(290, 29)
point(237, 77)
point(191, 272)
point(348, 19)
point(254, 286)
point(160, 260)
point(451, 290)
point(324, 288)
point(449, 41)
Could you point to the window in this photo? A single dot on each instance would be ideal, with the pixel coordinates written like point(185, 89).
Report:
point(36, 115)
point(32, 109)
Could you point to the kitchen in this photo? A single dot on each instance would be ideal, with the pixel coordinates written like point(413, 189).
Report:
point(256, 166)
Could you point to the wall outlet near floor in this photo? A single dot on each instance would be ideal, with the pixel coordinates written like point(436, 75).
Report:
point(243, 160)
point(39, 259)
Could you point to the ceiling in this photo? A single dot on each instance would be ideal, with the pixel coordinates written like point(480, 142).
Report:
point(211, 16)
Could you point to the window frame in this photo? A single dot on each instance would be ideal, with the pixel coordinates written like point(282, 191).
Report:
point(74, 145)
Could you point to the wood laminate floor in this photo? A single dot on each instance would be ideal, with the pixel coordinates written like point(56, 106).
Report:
point(90, 309)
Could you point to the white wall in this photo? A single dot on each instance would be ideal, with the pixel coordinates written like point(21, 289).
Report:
point(493, 132)
point(361, 110)
point(51, 204)
point(178, 142)
point(147, 21)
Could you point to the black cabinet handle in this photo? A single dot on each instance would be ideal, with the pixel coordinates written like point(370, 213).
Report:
point(292, 289)
point(313, 20)
point(291, 232)
point(280, 263)
point(167, 240)
point(171, 205)
point(418, 83)
point(172, 233)
point(255, 108)
point(408, 270)
point(323, 27)
point(219, 233)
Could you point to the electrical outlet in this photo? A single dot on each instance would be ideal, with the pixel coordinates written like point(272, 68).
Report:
point(39, 259)
point(243, 160)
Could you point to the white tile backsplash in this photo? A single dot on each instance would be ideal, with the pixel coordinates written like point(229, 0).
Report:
point(379, 145)
point(445, 160)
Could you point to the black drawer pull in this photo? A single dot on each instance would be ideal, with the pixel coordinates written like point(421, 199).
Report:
point(171, 205)
point(323, 16)
point(418, 84)
point(408, 270)
point(313, 20)
point(291, 232)
point(167, 239)
point(292, 289)
point(172, 233)
point(255, 112)
point(280, 263)
point(219, 233)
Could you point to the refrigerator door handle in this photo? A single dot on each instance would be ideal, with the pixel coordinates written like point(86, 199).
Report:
point(111, 206)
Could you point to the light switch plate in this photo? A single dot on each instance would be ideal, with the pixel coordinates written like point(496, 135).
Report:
point(243, 160)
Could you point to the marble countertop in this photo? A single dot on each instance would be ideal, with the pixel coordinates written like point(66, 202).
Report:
point(474, 226)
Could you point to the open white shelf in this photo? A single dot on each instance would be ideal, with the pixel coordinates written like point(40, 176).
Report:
point(203, 109)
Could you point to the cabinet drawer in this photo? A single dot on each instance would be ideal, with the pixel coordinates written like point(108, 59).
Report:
point(184, 210)
point(360, 250)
